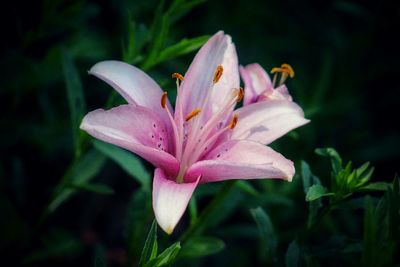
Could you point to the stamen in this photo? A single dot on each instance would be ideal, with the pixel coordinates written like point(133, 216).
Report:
point(164, 100)
point(192, 114)
point(218, 73)
point(177, 76)
point(289, 69)
point(234, 121)
point(286, 70)
point(240, 95)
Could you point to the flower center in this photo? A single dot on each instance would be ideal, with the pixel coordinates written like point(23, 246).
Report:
point(199, 131)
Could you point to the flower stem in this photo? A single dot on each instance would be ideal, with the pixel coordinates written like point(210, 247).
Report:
point(198, 226)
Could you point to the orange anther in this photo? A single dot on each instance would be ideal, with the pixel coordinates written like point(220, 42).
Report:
point(192, 114)
point(240, 95)
point(177, 76)
point(164, 98)
point(234, 121)
point(289, 69)
point(218, 73)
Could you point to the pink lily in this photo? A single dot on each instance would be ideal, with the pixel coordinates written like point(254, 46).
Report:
point(204, 139)
point(259, 87)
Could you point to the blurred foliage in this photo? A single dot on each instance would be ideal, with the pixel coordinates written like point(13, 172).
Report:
point(66, 199)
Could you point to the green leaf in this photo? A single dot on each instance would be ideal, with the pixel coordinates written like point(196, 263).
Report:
point(363, 174)
point(180, 7)
point(378, 186)
point(159, 33)
point(309, 179)
point(138, 218)
point(75, 97)
point(267, 234)
point(183, 47)
point(193, 210)
point(99, 256)
point(136, 38)
point(336, 160)
point(92, 187)
point(82, 170)
point(292, 257)
point(369, 238)
point(56, 244)
point(129, 50)
point(128, 162)
point(150, 248)
point(167, 257)
point(201, 246)
point(317, 191)
point(247, 188)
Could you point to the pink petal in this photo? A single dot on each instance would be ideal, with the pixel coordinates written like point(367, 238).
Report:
point(264, 122)
point(256, 82)
point(229, 80)
point(241, 159)
point(170, 200)
point(284, 92)
point(132, 83)
point(219, 50)
point(280, 93)
point(134, 128)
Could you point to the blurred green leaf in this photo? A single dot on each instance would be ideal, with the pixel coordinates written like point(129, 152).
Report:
point(180, 7)
point(193, 210)
point(130, 50)
point(226, 199)
point(92, 187)
point(336, 160)
point(150, 248)
point(159, 33)
point(247, 188)
point(378, 186)
point(292, 257)
point(160, 29)
point(56, 244)
point(99, 256)
point(138, 218)
point(167, 257)
point(309, 179)
point(183, 47)
point(393, 195)
point(369, 238)
point(201, 246)
point(82, 170)
point(137, 37)
point(75, 97)
point(317, 191)
point(269, 241)
point(128, 161)
point(363, 174)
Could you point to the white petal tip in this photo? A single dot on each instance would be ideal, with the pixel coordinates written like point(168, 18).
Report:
point(169, 229)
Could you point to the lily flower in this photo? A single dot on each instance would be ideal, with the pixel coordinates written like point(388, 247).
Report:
point(204, 139)
point(258, 84)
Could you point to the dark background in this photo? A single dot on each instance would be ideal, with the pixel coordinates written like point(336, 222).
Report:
point(345, 55)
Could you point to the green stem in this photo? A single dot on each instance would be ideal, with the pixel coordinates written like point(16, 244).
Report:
point(197, 227)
